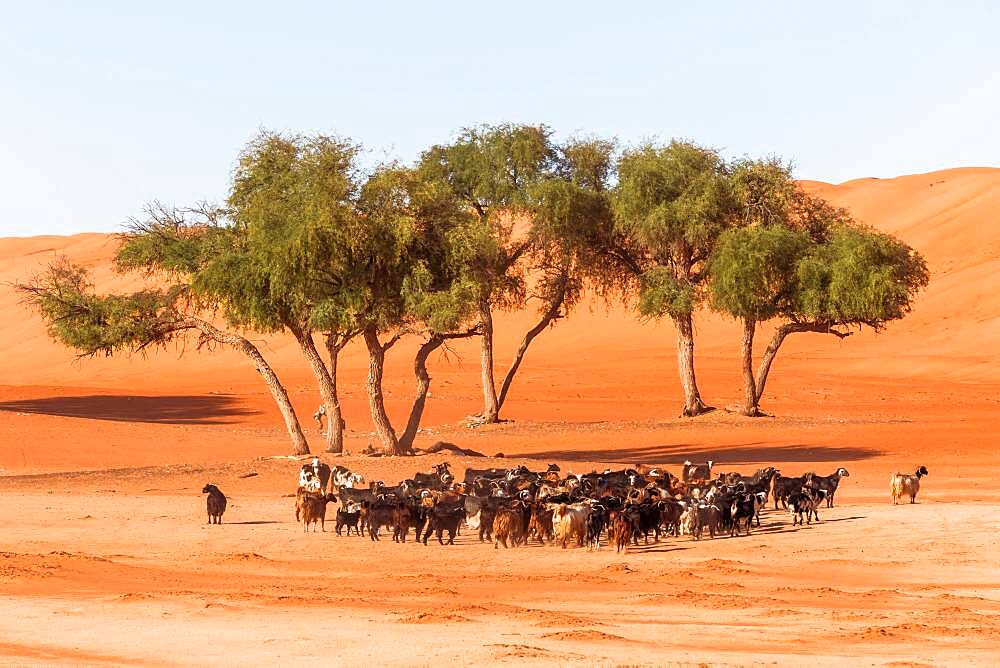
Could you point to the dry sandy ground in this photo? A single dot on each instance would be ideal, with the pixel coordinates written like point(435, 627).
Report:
point(117, 566)
point(105, 557)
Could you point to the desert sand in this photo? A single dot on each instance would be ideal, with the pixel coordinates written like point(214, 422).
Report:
point(105, 557)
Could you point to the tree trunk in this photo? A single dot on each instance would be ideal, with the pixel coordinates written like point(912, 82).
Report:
point(768, 359)
point(779, 337)
point(550, 314)
point(491, 405)
point(376, 400)
point(327, 390)
point(420, 397)
point(750, 396)
point(693, 405)
point(334, 344)
point(299, 444)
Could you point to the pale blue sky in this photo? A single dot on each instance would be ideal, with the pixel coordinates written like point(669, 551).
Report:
point(109, 106)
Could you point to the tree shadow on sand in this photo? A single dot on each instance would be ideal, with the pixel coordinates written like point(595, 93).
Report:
point(747, 453)
point(204, 409)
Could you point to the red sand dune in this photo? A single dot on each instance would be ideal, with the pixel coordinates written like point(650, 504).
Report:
point(110, 555)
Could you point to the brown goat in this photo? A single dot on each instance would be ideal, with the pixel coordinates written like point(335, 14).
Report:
point(506, 526)
point(540, 525)
point(314, 509)
point(621, 531)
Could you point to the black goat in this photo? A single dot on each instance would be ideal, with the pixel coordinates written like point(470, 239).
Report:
point(742, 510)
point(216, 502)
point(444, 517)
point(829, 483)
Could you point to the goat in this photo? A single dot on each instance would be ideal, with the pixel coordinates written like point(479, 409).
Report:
point(484, 517)
point(597, 520)
point(473, 475)
point(314, 476)
point(671, 512)
point(540, 525)
point(402, 517)
point(439, 479)
point(351, 496)
point(759, 501)
point(506, 526)
point(216, 502)
point(696, 471)
point(342, 477)
point(743, 509)
point(648, 516)
point(348, 518)
point(444, 517)
point(569, 522)
point(706, 516)
point(622, 530)
point(300, 495)
point(785, 487)
point(805, 501)
point(688, 521)
point(379, 515)
point(829, 483)
point(314, 510)
point(902, 484)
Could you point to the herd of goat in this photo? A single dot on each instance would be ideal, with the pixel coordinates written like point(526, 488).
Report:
point(514, 506)
point(510, 507)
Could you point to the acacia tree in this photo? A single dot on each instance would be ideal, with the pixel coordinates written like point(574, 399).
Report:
point(753, 279)
point(807, 263)
point(408, 280)
point(671, 204)
point(492, 170)
point(295, 197)
point(94, 324)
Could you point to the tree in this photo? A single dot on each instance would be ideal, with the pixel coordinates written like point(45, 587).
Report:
point(492, 170)
point(801, 260)
point(671, 204)
point(295, 198)
point(132, 323)
point(408, 280)
point(753, 278)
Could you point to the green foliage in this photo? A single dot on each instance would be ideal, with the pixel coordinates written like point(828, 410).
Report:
point(587, 163)
point(753, 270)
point(95, 324)
point(492, 171)
point(764, 191)
point(573, 223)
point(674, 200)
point(859, 277)
point(415, 238)
point(306, 241)
point(817, 217)
point(492, 167)
point(293, 214)
point(441, 309)
point(663, 294)
point(798, 257)
point(174, 243)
